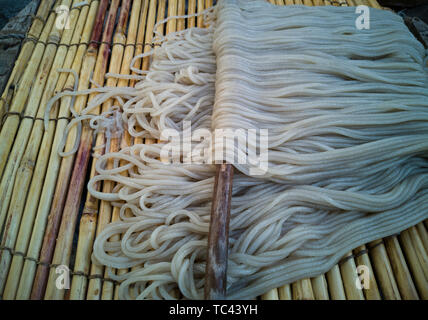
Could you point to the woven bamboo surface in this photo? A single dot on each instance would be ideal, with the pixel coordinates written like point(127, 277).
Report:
point(47, 217)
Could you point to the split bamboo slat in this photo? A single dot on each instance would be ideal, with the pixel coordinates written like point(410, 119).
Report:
point(24, 55)
point(41, 192)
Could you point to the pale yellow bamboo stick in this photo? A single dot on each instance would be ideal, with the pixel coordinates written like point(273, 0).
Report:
point(415, 266)
point(383, 270)
point(335, 284)
point(285, 292)
point(302, 290)
point(362, 259)
point(319, 286)
point(44, 58)
point(160, 30)
point(419, 249)
point(149, 32)
point(161, 15)
point(29, 158)
point(191, 9)
point(401, 271)
point(423, 234)
point(348, 269)
point(171, 25)
point(181, 9)
point(201, 7)
point(208, 3)
point(25, 54)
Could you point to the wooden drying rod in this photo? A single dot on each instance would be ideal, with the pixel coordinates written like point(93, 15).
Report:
point(218, 237)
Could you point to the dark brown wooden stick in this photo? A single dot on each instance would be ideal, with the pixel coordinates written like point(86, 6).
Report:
point(218, 237)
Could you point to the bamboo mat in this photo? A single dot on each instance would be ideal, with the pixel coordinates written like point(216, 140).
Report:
point(46, 214)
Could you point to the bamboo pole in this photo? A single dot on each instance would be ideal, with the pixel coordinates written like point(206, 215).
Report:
point(423, 234)
point(319, 287)
point(35, 244)
point(64, 241)
point(348, 269)
point(181, 10)
point(64, 176)
point(161, 15)
point(149, 32)
point(401, 271)
point(13, 123)
point(25, 54)
point(285, 292)
point(171, 25)
point(415, 266)
point(302, 290)
point(362, 258)
point(200, 18)
point(383, 270)
point(419, 249)
point(191, 9)
point(335, 284)
point(29, 158)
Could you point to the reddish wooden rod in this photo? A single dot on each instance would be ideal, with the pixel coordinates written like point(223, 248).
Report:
point(218, 237)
